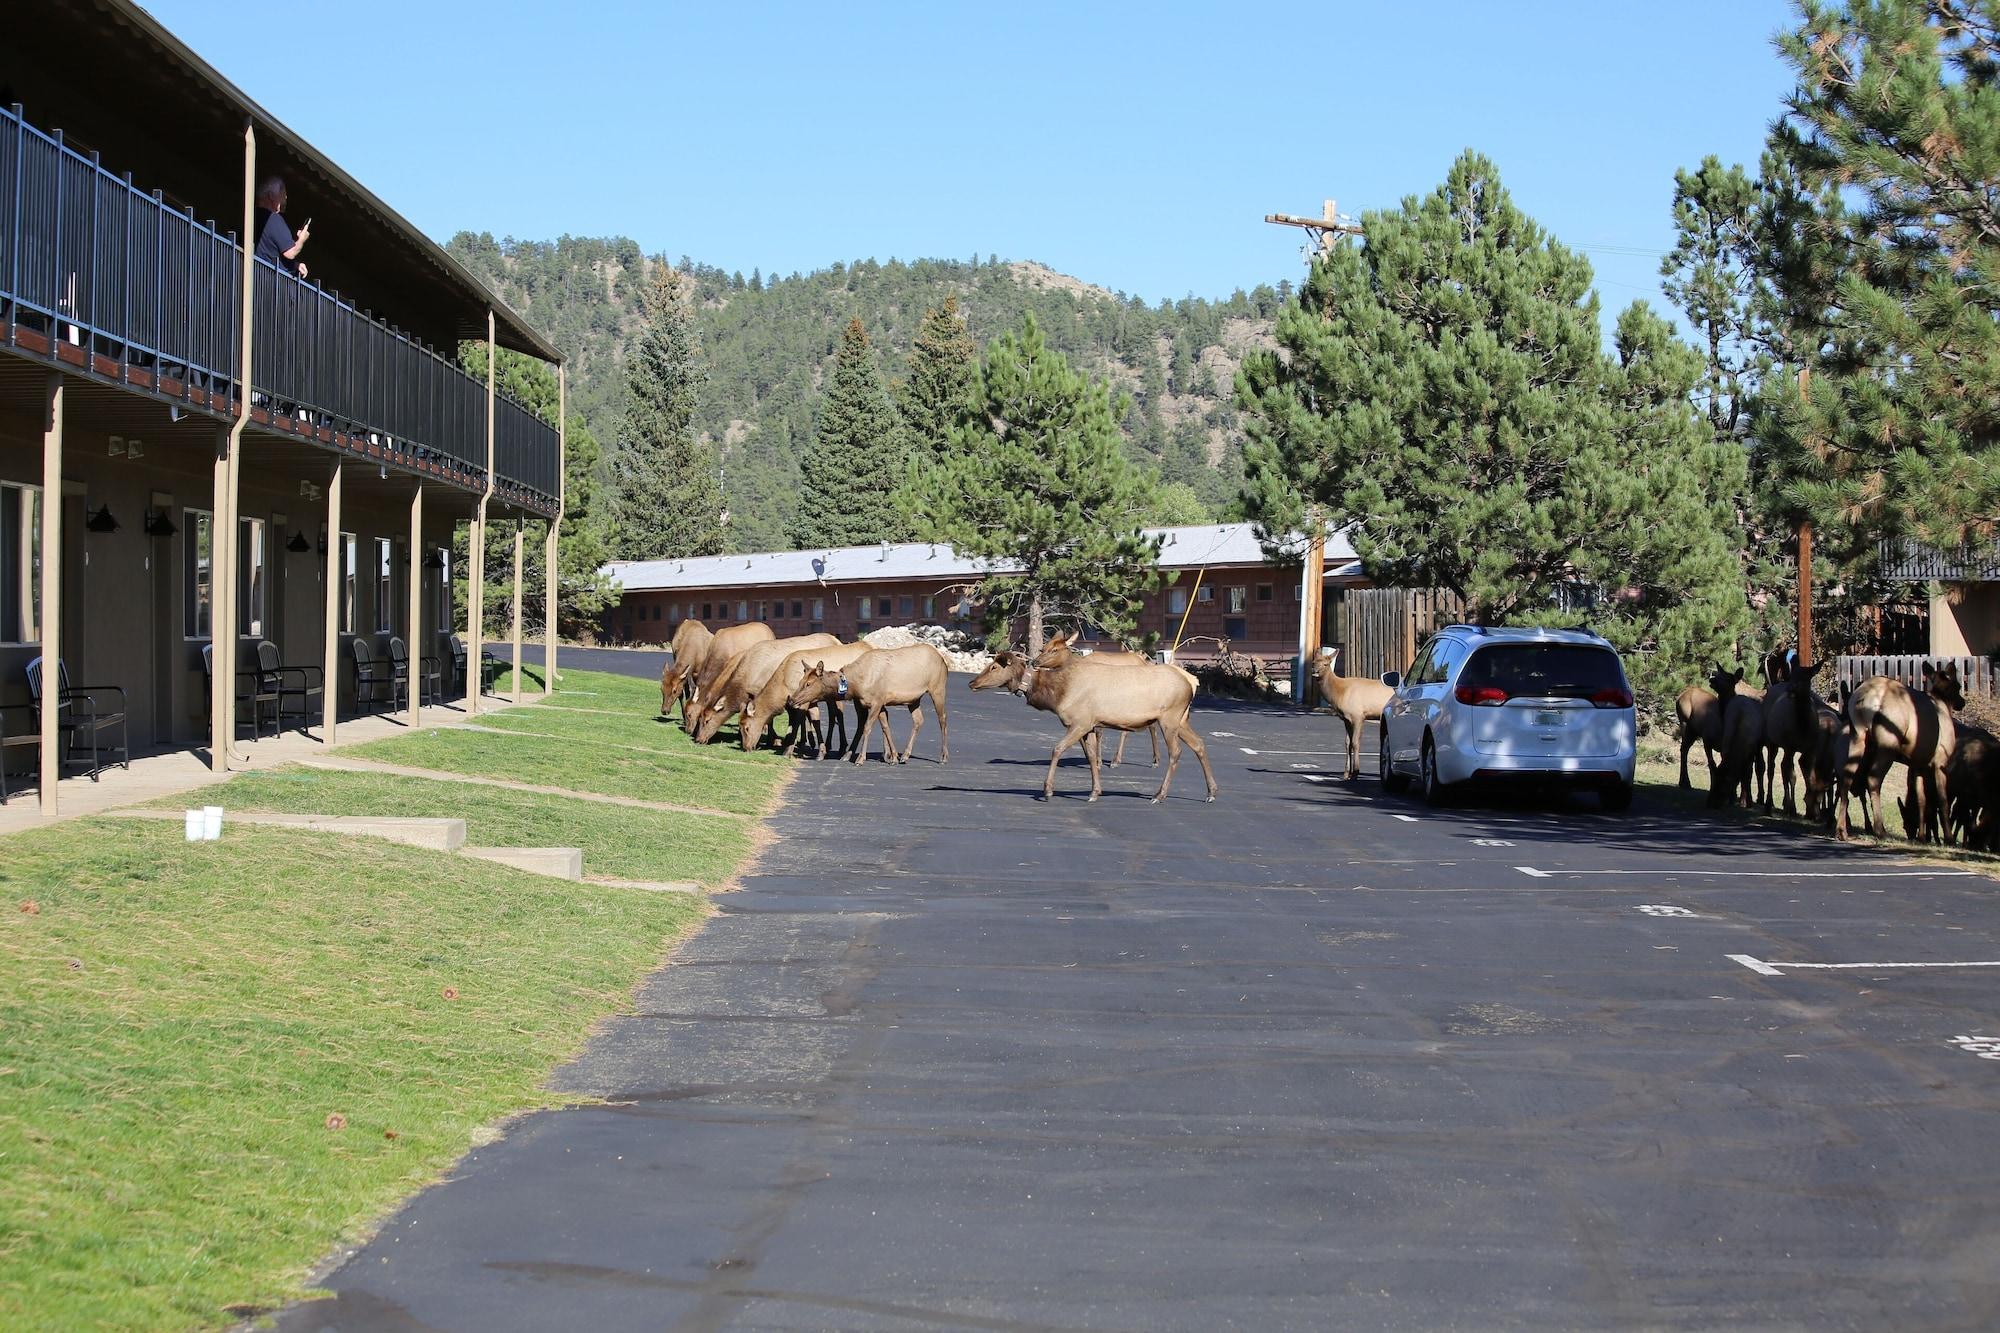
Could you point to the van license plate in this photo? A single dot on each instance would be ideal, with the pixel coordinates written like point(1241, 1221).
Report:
point(1549, 717)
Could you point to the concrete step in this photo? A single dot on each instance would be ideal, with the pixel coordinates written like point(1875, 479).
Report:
point(555, 862)
point(436, 835)
point(647, 885)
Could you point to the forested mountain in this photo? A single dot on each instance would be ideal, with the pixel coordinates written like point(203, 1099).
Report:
point(770, 342)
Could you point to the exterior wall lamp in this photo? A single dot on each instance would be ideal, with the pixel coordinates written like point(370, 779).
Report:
point(158, 524)
point(101, 520)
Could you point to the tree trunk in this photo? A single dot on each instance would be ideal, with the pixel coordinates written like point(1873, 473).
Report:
point(1034, 624)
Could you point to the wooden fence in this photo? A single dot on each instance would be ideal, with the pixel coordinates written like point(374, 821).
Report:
point(1380, 629)
point(1975, 673)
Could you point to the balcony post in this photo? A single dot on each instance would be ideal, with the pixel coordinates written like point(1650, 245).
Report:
point(551, 581)
point(52, 581)
point(415, 650)
point(223, 528)
point(518, 548)
point(336, 597)
point(475, 629)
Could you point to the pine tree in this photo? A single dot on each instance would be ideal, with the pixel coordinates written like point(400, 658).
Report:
point(849, 476)
point(669, 498)
point(1038, 479)
point(1440, 391)
point(936, 398)
point(1896, 299)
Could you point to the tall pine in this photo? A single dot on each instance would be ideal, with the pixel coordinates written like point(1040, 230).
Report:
point(936, 398)
point(1440, 391)
point(1038, 479)
point(669, 494)
point(849, 474)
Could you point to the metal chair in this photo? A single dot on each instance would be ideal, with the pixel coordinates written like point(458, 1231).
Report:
point(302, 683)
point(430, 687)
point(15, 739)
point(490, 666)
point(254, 687)
point(372, 680)
point(80, 715)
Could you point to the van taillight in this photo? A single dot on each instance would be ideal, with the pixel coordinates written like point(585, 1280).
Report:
point(1480, 694)
point(1612, 698)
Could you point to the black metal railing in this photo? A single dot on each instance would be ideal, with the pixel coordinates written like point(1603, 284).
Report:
point(96, 270)
point(99, 274)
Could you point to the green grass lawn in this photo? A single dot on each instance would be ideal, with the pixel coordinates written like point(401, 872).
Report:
point(178, 1022)
point(618, 842)
point(589, 689)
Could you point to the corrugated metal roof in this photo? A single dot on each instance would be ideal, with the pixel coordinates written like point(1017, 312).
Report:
point(1204, 546)
point(1911, 562)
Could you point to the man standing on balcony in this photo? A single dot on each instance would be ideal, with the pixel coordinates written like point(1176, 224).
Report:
point(275, 241)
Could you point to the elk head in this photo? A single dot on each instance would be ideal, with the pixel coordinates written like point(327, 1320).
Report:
point(1056, 653)
point(816, 684)
point(1724, 682)
point(1942, 684)
point(1005, 672)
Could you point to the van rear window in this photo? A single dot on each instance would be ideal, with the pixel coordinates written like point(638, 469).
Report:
point(1544, 670)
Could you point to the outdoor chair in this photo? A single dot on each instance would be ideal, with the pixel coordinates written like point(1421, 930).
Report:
point(256, 689)
point(373, 684)
point(429, 683)
point(82, 713)
point(489, 665)
point(25, 734)
point(299, 687)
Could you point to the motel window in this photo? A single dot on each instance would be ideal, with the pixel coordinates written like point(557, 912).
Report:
point(882, 607)
point(930, 608)
point(198, 544)
point(1263, 592)
point(708, 610)
point(743, 610)
point(1177, 601)
point(962, 608)
point(1298, 592)
point(385, 585)
point(20, 564)
point(862, 607)
point(673, 613)
point(656, 610)
point(255, 579)
point(764, 610)
point(819, 608)
point(1239, 601)
point(350, 573)
point(798, 610)
point(906, 607)
point(1204, 595)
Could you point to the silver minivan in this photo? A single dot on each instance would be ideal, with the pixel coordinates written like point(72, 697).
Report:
point(1538, 705)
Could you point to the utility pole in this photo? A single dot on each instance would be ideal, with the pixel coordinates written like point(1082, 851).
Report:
point(1806, 653)
point(1326, 231)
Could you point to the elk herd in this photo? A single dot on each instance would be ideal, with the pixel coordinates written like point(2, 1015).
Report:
point(1826, 753)
point(746, 674)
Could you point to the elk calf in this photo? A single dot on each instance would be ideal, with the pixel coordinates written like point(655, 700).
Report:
point(878, 681)
point(1354, 700)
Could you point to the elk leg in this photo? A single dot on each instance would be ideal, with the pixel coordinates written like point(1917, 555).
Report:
point(1200, 754)
point(944, 732)
point(1118, 760)
point(1687, 743)
point(1070, 737)
point(1093, 742)
point(1154, 734)
point(916, 725)
point(1173, 762)
point(1353, 726)
point(860, 748)
point(1940, 801)
point(1787, 770)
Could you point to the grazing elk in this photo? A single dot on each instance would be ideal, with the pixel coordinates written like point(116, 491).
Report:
point(768, 702)
point(1699, 712)
point(721, 652)
point(1354, 699)
point(1089, 698)
point(1892, 724)
point(1791, 729)
point(690, 648)
point(878, 681)
point(1974, 775)
point(1742, 748)
point(744, 676)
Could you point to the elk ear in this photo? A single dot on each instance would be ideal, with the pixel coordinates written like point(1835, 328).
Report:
point(1928, 672)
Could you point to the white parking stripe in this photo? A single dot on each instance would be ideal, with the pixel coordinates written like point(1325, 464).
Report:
point(1772, 969)
point(1766, 874)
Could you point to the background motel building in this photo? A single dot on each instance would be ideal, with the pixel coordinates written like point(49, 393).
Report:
point(1219, 580)
point(148, 503)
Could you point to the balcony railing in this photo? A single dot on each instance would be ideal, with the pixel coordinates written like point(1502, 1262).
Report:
point(97, 275)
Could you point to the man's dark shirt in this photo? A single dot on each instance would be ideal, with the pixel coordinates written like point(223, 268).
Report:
point(274, 237)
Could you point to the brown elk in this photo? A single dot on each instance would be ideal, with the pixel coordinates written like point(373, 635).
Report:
point(1699, 712)
point(1892, 724)
point(876, 682)
point(1791, 727)
point(746, 674)
point(1742, 748)
point(768, 702)
point(690, 647)
point(1088, 698)
point(1009, 671)
point(1974, 775)
point(1354, 699)
point(721, 652)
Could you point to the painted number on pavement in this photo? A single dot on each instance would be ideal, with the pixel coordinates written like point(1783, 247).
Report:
point(1986, 1048)
point(1491, 842)
point(1662, 909)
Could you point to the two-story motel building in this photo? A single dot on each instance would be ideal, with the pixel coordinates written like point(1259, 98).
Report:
point(199, 450)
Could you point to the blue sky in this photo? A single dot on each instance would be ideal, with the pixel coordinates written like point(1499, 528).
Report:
point(1137, 147)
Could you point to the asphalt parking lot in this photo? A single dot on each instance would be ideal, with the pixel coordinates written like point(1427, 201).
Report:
point(1306, 1057)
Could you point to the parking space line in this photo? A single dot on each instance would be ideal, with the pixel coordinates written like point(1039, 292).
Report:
point(1763, 968)
point(1533, 873)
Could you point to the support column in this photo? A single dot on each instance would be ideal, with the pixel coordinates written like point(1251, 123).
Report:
point(336, 591)
point(551, 580)
point(1312, 579)
point(517, 609)
point(222, 676)
point(224, 529)
point(475, 628)
point(415, 644)
point(52, 582)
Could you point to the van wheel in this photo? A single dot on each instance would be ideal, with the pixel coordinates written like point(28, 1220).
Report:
point(1392, 782)
point(1432, 789)
point(1616, 797)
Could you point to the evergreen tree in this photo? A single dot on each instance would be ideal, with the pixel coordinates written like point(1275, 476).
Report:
point(848, 477)
point(936, 398)
point(1038, 479)
point(669, 498)
point(1440, 392)
point(1893, 286)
